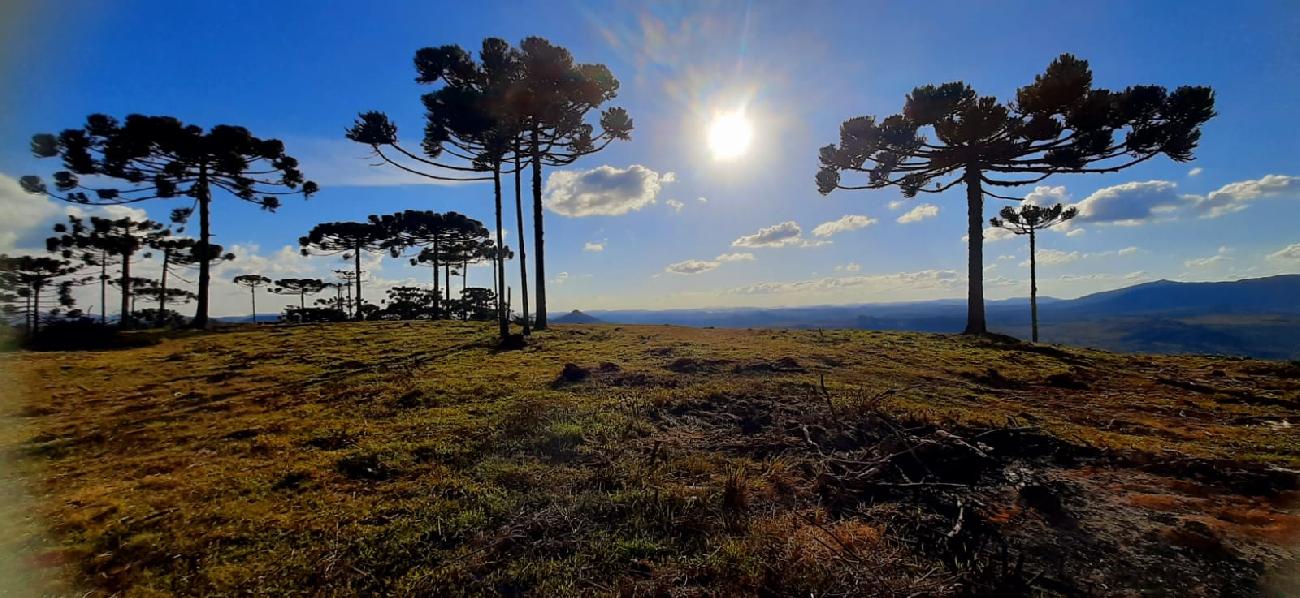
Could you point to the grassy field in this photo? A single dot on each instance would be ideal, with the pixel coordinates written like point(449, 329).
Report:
point(412, 458)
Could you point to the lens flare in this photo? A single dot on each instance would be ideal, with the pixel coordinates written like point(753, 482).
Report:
point(729, 135)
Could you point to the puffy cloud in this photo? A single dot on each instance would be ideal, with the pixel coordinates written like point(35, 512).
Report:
point(604, 190)
point(1195, 171)
point(675, 205)
point(1130, 203)
point(922, 280)
point(740, 256)
point(1235, 197)
point(992, 234)
point(692, 266)
point(1045, 195)
point(22, 212)
point(1290, 253)
point(845, 223)
point(593, 247)
point(779, 235)
point(849, 267)
point(919, 213)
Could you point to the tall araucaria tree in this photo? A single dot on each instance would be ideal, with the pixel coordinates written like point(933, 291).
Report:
point(152, 157)
point(468, 121)
point(253, 282)
point(349, 239)
point(947, 135)
point(556, 95)
point(300, 287)
point(432, 233)
point(182, 252)
point(97, 238)
point(24, 279)
point(1028, 220)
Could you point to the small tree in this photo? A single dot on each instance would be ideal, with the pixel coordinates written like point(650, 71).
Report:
point(101, 238)
point(1057, 124)
point(161, 157)
point(409, 303)
point(349, 239)
point(434, 234)
point(24, 281)
point(300, 287)
point(252, 281)
point(1025, 221)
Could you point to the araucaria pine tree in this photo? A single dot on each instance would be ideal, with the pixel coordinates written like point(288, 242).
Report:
point(99, 238)
point(161, 157)
point(948, 135)
point(300, 287)
point(25, 279)
point(253, 282)
point(349, 239)
point(1027, 221)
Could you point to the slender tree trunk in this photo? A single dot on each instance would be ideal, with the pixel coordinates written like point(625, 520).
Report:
point(523, 257)
point(539, 244)
point(437, 292)
point(27, 319)
point(1033, 286)
point(356, 269)
point(302, 301)
point(503, 324)
point(464, 277)
point(446, 279)
point(975, 323)
point(103, 287)
point(125, 317)
point(36, 308)
point(252, 292)
point(205, 235)
point(162, 286)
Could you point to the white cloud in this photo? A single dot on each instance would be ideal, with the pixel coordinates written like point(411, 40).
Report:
point(1218, 259)
point(675, 205)
point(845, 223)
point(1195, 171)
point(1235, 197)
point(560, 278)
point(22, 212)
point(779, 235)
point(1074, 232)
point(919, 213)
point(692, 266)
point(702, 199)
point(992, 234)
point(1046, 195)
point(604, 190)
point(744, 256)
point(1056, 257)
point(1290, 253)
point(849, 267)
point(897, 203)
point(593, 247)
point(922, 280)
point(1129, 203)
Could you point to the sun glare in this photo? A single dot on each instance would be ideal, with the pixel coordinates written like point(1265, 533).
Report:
point(729, 135)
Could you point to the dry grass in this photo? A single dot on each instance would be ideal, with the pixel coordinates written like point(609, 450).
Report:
point(412, 458)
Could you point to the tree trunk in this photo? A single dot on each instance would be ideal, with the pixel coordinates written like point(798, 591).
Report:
point(356, 269)
point(36, 308)
point(464, 277)
point(539, 244)
point(503, 324)
point(1033, 287)
point(204, 197)
point(103, 287)
point(162, 286)
point(975, 323)
point(31, 311)
point(523, 257)
point(125, 317)
point(302, 302)
point(437, 292)
point(252, 292)
point(446, 281)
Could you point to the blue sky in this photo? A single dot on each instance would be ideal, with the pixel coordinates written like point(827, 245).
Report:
point(301, 72)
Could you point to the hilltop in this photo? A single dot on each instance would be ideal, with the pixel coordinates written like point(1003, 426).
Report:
point(413, 458)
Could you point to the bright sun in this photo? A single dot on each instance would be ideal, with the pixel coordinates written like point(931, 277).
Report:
point(729, 135)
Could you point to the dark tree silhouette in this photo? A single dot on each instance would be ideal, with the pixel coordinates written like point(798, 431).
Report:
point(409, 303)
point(182, 252)
point(24, 280)
point(433, 233)
point(161, 157)
point(252, 281)
point(1057, 124)
point(1026, 221)
point(347, 280)
point(557, 95)
point(300, 287)
point(99, 238)
point(349, 239)
point(466, 118)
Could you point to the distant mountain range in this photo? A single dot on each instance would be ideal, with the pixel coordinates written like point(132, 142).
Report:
point(576, 317)
point(1258, 317)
